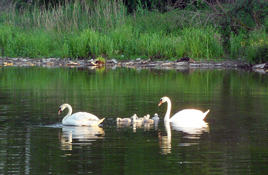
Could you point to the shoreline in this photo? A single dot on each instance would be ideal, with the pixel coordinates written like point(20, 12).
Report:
point(182, 64)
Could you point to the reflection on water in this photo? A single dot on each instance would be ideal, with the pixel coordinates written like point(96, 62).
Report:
point(165, 141)
point(122, 125)
point(193, 131)
point(79, 135)
point(196, 128)
point(235, 142)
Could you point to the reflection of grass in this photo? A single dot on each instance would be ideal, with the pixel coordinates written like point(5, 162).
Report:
point(125, 80)
point(114, 91)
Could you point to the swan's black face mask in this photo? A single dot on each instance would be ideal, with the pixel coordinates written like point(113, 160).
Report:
point(160, 102)
point(59, 111)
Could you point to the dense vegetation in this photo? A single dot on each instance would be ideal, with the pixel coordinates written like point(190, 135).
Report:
point(201, 29)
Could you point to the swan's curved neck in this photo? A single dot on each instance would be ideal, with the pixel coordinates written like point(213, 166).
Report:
point(70, 110)
point(167, 116)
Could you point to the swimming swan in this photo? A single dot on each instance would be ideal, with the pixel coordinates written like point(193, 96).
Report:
point(79, 118)
point(123, 120)
point(148, 120)
point(156, 118)
point(187, 115)
point(136, 119)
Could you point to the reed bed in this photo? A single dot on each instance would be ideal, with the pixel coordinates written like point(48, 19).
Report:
point(70, 17)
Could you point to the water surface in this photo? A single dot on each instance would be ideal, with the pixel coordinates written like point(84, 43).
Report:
point(33, 140)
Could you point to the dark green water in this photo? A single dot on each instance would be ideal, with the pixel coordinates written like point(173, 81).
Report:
point(33, 140)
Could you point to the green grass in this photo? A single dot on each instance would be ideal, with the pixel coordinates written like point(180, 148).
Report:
point(257, 50)
point(28, 44)
point(253, 47)
point(103, 28)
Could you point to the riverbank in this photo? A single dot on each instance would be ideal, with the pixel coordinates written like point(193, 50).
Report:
point(181, 64)
point(104, 28)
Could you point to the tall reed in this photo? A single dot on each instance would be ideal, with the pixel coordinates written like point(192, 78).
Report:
point(101, 15)
point(202, 43)
point(237, 43)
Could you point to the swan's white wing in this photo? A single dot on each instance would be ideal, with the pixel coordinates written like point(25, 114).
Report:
point(190, 121)
point(187, 115)
point(81, 118)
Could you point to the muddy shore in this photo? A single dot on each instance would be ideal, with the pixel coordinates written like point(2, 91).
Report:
point(181, 64)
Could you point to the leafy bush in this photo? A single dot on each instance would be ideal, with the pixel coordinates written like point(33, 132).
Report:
point(257, 47)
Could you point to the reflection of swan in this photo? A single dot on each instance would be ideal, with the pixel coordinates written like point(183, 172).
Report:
point(122, 122)
point(79, 118)
point(198, 127)
point(166, 140)
point(79, 135)
point(186, 115)
point(122, 125)
point(147, 126)
point(193, 133)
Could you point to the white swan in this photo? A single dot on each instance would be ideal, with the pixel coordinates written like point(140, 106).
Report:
point(123, 120)
point(188, 116)
point(148, 120)
point(136, 119)
point(155, 118)
point(79, 118)
point(156, 121)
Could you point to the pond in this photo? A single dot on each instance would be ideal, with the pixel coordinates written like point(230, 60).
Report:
point(234, 139)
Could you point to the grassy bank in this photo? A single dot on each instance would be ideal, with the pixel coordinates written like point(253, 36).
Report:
point(104, 28)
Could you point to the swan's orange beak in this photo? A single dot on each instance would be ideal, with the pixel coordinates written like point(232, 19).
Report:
point(59, 111)
point(159, 104)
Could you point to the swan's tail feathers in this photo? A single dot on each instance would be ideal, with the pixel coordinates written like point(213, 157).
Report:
point(205, 113)
point(98, 122)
